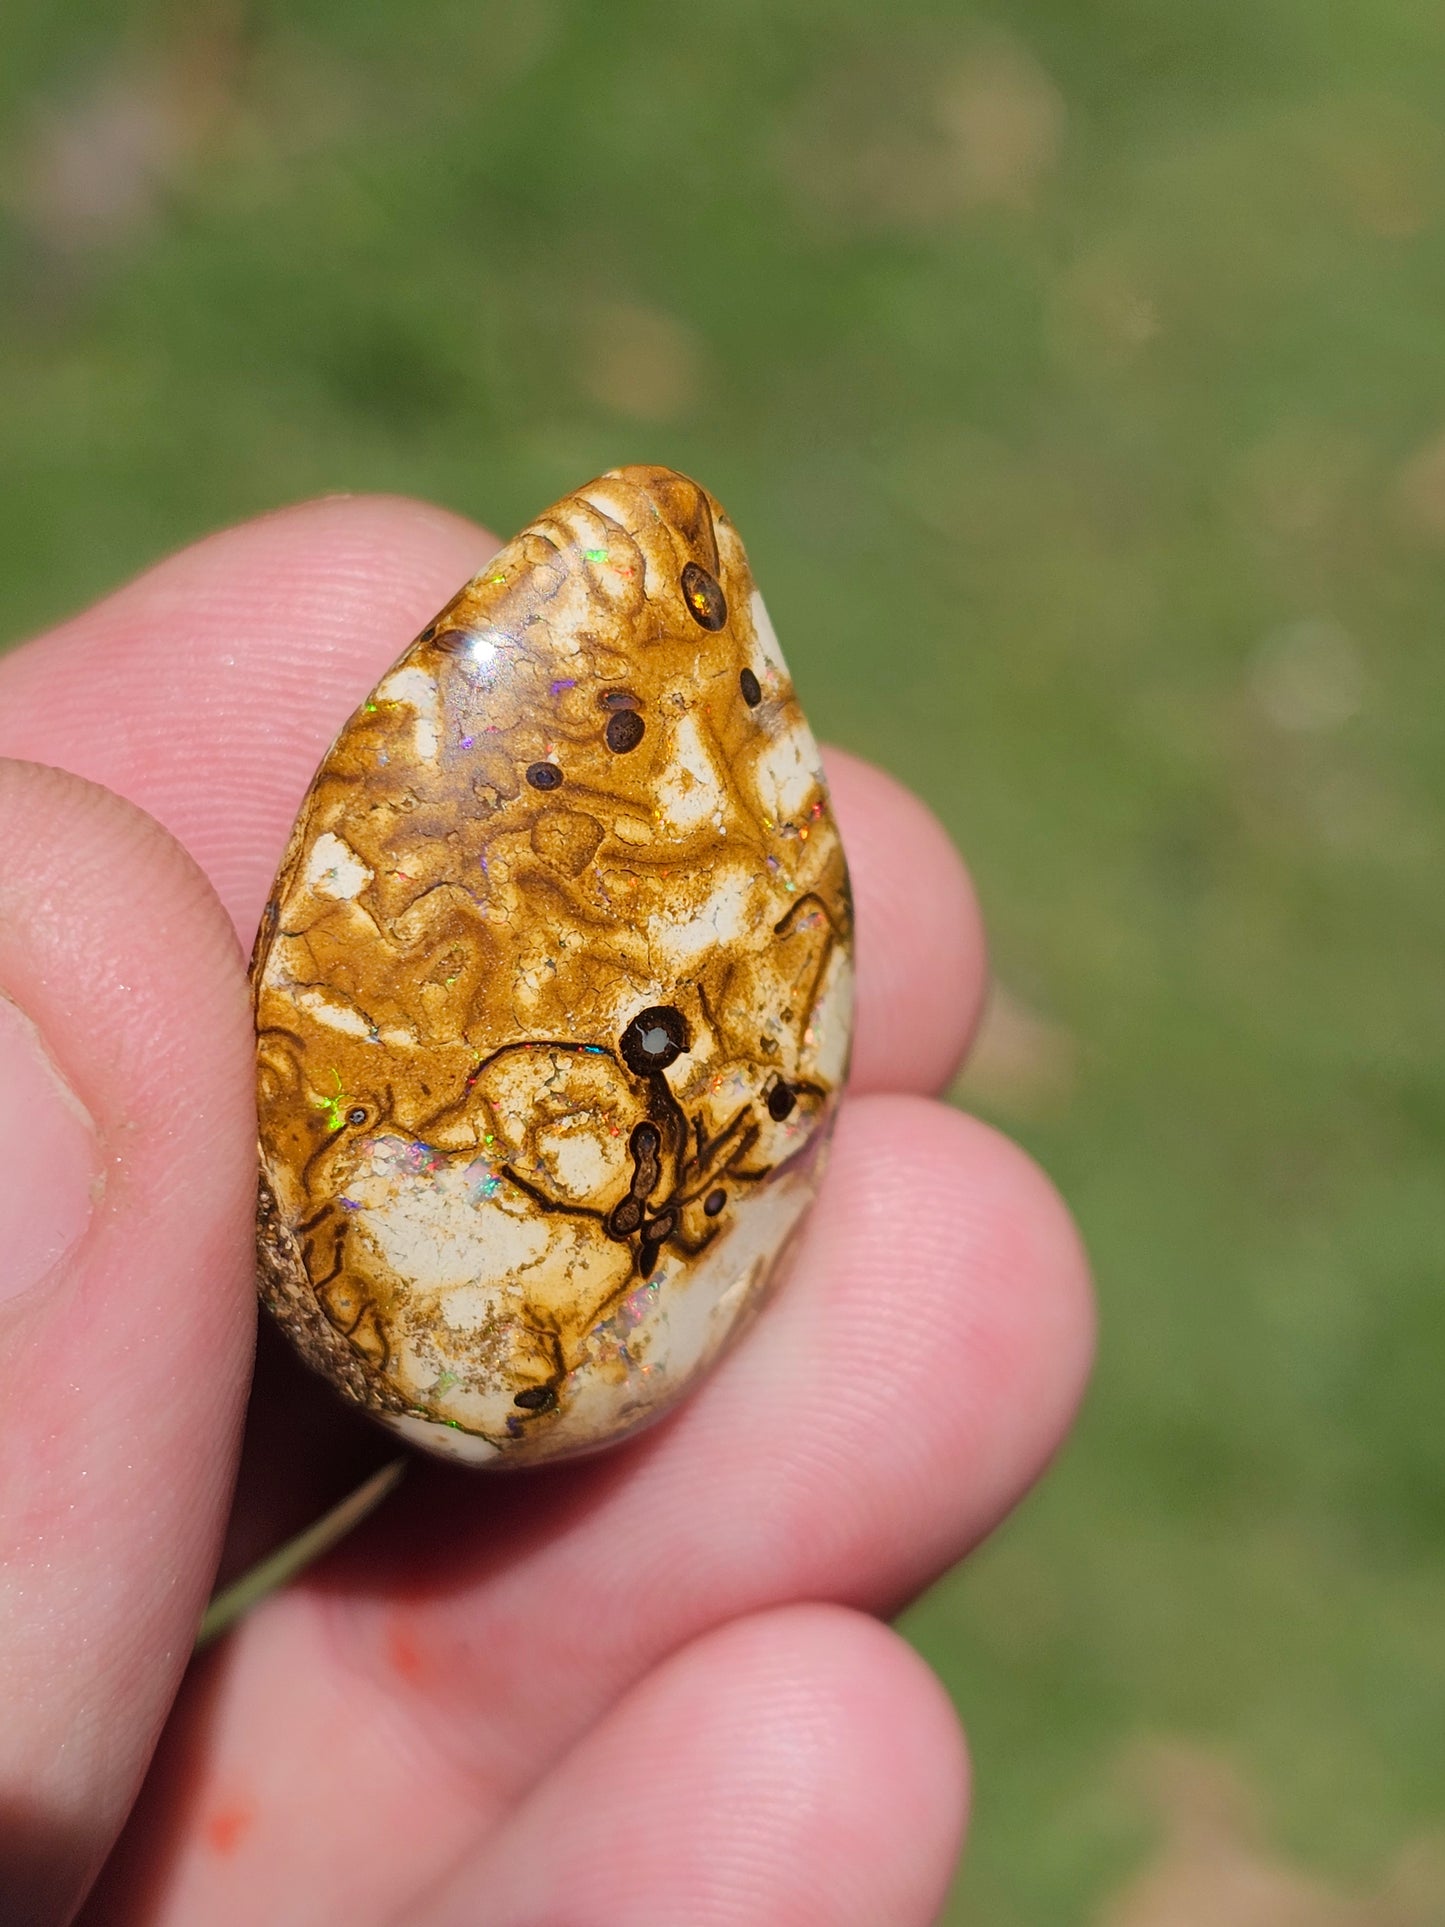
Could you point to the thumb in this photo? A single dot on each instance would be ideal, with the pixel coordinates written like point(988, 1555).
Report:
point(126, 1192)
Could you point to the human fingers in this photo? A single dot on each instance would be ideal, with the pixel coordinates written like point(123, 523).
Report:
point(793, 1769)
point(922, 956)
point(208, 689)
point(901, 1393)
point(125, 1326)
point(180, 621)
point(916, 1372)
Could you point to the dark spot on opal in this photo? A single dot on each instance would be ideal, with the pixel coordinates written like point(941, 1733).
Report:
point(647, 1259)
point(544, 776)
point(625, 1218)
point(536, 1398)
point(455, 641)
point(358, 1116)
point(653, 1040)
point(752, 689)
point(704, 597)
point(714, 1202)
point(427, 633)
point(781, 1102)
point(619, 699)
point(624, 731)
point(660, 1227)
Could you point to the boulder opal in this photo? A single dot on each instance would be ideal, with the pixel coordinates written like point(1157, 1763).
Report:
point(553, 992)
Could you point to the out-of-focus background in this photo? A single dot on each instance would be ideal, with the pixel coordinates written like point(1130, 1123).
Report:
point(1076, 372)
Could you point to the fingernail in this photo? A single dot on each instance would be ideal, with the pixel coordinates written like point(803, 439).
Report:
point(48, 1158)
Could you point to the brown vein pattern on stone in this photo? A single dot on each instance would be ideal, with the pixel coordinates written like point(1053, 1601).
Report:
point(553, 995)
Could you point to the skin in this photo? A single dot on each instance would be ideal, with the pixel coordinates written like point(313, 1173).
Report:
point(647, 1688)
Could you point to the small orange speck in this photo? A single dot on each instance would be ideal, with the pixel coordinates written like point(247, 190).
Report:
point(403, 1652)
point(228, 1826)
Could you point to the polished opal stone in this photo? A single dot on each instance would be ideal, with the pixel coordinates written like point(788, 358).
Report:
point(553, 993)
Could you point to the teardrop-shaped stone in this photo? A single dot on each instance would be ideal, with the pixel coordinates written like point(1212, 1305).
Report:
point(554, 992)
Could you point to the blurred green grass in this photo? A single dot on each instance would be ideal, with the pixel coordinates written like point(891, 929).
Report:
point(1075, 373)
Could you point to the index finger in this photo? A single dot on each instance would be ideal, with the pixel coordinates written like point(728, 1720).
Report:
point(208, 689)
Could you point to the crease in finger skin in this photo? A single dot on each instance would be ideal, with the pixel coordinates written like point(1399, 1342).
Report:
point(123, 1365)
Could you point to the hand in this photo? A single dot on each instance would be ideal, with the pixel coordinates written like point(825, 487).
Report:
point(648, 1688)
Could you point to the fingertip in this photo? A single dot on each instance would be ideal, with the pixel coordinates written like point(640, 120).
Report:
point(913, 1771)
point(115, 941)
point(1025, 1308)
point(930, 1352)
point(290, 559)
point(207, 689)
point(124, 1368)
point(114, 945)
point(922, 955)
point(795, 1766)
point(851, 1754)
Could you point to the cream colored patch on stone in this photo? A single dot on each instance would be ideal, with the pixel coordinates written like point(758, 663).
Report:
point(533, 983)
point(577, 1158)
point(478, 1408)
point(632, 829)
point(429, 1232)
point(559, 1094)
point(764, 1218)
point(466, 1308)
point(595, 1406)
point(334, 869)
point(416, 687)
point(832, 1022)
point(724, 918)
point(326, 1009)
point(659, 1337)
point(688, 794)
point(786, 772)
point(614, 578)
point(416, 1363)
point(767, 635)
point(443, 1439)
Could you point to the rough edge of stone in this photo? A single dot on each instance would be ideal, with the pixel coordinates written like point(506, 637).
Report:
point(286, 1292)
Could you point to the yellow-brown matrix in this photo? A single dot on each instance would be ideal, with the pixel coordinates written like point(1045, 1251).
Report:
point(553, 993)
